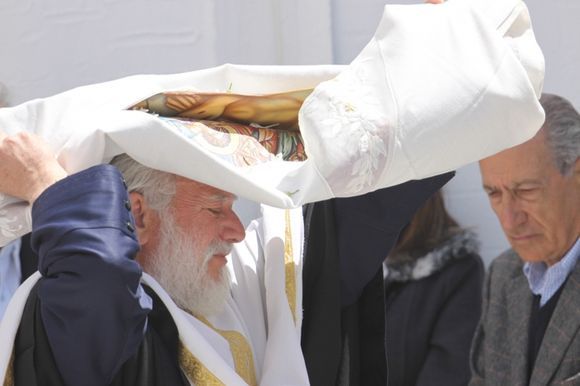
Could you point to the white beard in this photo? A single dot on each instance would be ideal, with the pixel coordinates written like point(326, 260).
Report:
point(182, 270)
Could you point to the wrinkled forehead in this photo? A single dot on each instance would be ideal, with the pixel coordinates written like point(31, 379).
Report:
point(202, 191)
point(529, 163)
point(530, 154)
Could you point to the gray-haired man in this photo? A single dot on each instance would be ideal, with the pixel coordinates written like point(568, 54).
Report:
point(530, 326)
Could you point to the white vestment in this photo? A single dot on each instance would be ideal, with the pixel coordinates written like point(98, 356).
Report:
point(265, 308)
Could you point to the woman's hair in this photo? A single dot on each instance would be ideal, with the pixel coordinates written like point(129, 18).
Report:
point(430, 226)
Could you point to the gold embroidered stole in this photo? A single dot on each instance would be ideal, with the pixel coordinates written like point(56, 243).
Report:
point(241, 353)
point(9, 376)
point(239, 346)
point(289, 266)
point(195, 371)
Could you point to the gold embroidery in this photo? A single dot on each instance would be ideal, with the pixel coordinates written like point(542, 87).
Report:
point(241, 352)
point(289, 267)
point(195, 371)
point(9, 376)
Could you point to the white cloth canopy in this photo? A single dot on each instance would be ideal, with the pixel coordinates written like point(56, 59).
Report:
point(438, 86)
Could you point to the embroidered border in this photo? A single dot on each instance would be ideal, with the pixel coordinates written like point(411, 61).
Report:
point(195, 371)
point(9, 376)
point(289, 266)
point(241, 352)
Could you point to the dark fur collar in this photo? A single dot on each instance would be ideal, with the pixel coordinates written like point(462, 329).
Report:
point(403, 267)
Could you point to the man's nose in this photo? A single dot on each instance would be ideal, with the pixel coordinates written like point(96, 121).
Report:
point(232, 228)
point(511, 214)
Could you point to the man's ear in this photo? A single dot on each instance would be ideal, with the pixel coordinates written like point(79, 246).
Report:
point(146, 219)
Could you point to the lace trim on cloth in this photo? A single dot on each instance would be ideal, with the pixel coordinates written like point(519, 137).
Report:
point(289, 266)
point(403, 267)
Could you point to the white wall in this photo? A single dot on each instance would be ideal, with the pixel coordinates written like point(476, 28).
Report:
point(557, 29)
point(48, 47)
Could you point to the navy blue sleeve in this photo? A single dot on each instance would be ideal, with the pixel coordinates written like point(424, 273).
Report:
point(368, 227)
point(93, 307)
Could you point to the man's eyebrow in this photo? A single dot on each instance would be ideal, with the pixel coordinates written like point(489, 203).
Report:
point(515, 185)
point(526, 182)
point(488, 188)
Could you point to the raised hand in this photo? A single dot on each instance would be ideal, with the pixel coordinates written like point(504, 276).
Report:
point(27, 166)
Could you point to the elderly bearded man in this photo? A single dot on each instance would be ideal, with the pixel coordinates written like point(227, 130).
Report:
point(89, 320)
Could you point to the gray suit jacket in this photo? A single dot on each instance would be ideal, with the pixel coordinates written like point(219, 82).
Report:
point(499, 354)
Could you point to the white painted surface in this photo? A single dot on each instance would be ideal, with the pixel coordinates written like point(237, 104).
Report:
point(48, 47)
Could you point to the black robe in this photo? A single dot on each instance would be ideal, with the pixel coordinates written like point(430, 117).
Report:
point(155, 364)
point(343, 328)
point(28, 259)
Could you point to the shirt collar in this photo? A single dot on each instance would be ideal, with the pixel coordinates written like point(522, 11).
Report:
point(546, 281)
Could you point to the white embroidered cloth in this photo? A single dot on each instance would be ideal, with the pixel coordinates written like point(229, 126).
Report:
point(438, 87)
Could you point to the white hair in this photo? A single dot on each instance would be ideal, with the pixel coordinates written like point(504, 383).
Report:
point(178, 263)
point(562, 130)
point(157, 187)
point(181, 268)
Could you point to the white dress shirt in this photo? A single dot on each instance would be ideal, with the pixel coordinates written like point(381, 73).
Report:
point(546, 281)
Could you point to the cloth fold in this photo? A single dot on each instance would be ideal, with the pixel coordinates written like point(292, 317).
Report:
point(438, 87)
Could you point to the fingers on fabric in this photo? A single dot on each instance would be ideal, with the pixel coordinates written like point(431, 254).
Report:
point(27, 166)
